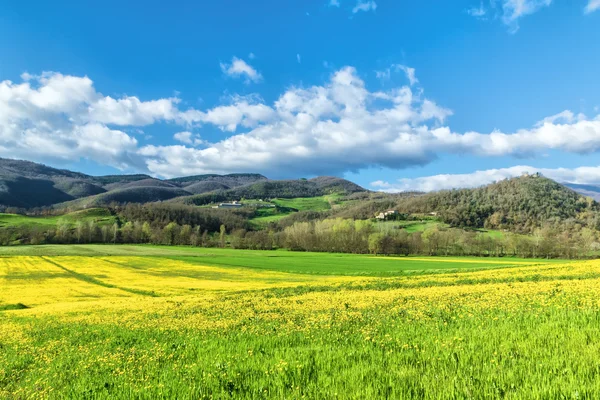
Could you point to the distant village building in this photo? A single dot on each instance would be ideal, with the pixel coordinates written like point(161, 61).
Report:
point(234, 204)
point(387, 214)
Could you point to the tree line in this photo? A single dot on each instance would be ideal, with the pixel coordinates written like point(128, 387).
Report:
point(330, 235)
point(364, 237)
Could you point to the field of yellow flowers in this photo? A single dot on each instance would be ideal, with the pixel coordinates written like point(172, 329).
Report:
point(109, 327)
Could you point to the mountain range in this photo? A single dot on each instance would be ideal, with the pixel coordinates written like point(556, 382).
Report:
point(25, 184)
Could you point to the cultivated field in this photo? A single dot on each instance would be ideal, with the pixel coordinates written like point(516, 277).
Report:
point(151, 322)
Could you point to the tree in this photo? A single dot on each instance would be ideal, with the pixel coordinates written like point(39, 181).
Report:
point(62, 231)
point(79, 230)
point(185, 235)
point(170, 233)
point(105, 231)
point(127, 232)
point(375, 242)
point(146, 232)
point(115, 232)
point(92, 230)
point(222, 231)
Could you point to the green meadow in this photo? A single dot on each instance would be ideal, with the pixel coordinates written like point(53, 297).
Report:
point(100, 215)
point(148, 322)
point(279, 260)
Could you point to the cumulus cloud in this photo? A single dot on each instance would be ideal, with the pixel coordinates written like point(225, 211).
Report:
point(364, 6)
point(510, 11)
point(183, 137)
point(239, 68)
point(592, 6)
point(332, 128)
point(188, 138)
point(132, 111)
point(337, 127)
point(581, 175)
point(50, 117)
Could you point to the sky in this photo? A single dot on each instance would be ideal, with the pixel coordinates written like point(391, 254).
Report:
point(394, 95)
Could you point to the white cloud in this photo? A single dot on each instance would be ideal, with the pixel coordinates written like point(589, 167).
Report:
point(336, 128)
point(386, 74)
point(183, 137)
point(251, 56)
point(188, 138)
point(364, 6)
point(581, 175)
point(332, 128)
point(334, 3)
point(513, 10)
point(26, 76)
point(132, 111)
point(410, 73)
point(510, 11)
point(47, 117)
point(243, 111)
point(298, 58)
point(566, 117)
point(592, 6)
point(477, 12)
point(240, 69)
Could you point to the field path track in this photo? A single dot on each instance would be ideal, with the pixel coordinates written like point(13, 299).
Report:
point(95, 281)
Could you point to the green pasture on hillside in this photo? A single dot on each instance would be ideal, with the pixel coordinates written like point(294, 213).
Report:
point(99, 215)
point(304, 203)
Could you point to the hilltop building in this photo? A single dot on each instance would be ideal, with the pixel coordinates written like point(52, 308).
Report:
point(387, 214)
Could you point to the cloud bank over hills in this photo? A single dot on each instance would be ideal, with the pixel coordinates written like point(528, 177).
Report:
point(339, 126)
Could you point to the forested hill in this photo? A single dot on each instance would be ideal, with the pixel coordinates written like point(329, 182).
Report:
point(271, 189)
point(519, 204)
point(28, 185)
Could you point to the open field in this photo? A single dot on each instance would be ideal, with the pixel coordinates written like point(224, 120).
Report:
point(290, 206)
point(268, 215)
point(158, 322)
point(99, 215)
point(320, 203)
point(410, 226)
point(281, 260)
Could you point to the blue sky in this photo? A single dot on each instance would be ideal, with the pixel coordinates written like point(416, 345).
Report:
point(302, 88)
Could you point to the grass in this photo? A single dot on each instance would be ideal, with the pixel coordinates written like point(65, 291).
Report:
point(290, 206)
point(100, 215)
point(286, 207)
point(280, 260)
point(410, 226)
point(268, 215)
point(120, 322)
point(321, 203)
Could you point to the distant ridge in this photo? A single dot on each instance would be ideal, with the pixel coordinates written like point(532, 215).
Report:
point(25, 184)
point(592, 191)
point(283, 189)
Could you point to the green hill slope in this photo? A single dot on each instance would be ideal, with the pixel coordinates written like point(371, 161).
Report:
point(278, 189)
point(519, 204)
point(143, 194)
